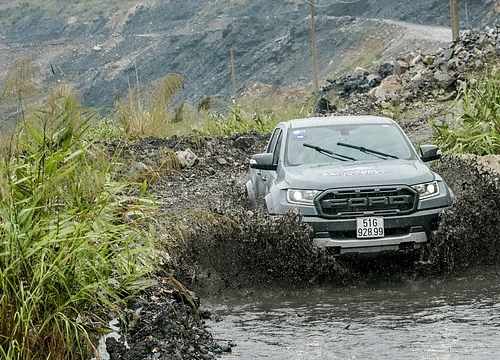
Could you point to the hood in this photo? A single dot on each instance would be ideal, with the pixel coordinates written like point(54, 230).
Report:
point(355, 173)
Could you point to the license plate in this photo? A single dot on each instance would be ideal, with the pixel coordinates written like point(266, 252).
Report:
point(369, 227)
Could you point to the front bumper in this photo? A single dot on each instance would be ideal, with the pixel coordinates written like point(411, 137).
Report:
point(404, 232)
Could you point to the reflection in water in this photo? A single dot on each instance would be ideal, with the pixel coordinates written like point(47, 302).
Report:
point(428, 319)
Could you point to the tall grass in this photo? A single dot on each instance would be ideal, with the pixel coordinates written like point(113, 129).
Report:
point(149, 111)
point(475, 129)
point(257, 115)
point(146, 111)
point(72, 240)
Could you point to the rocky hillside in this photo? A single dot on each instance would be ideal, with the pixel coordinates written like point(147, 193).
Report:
point(104, 52)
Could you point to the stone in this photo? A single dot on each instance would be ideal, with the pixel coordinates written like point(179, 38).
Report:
point(373, 80)
point(324, 107)
point(448, 54)
point(361, 71)
point(243, 142)
point(416, 60)
point(448, 97)
point(418, 79)
point(138, 170)
point(187, 158)
point(389, 87)
point(444, 80)
point(221, 161)
point(385, 70)
point(429, 59)
point(400, 67)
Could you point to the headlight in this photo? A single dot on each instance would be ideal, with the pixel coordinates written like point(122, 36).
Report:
point(302, 197)
point(427, 190)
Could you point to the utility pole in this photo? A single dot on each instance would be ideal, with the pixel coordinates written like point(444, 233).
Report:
point(233, 77)
point(454, 19)
point(467, 20)
point(314, 54)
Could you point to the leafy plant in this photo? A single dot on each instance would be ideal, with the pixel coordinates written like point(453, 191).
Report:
point(72, 240)
point(476, 128)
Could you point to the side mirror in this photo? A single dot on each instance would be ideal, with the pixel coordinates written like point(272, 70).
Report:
point(429, 153)
point(263, 161)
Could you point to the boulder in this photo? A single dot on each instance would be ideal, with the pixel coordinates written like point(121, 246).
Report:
point(443, 79)
point(400, 67)
point(324, 107)
point(389, 88)
point(385, 70)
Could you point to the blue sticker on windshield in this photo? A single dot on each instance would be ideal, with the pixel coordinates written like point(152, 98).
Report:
point(300, 137)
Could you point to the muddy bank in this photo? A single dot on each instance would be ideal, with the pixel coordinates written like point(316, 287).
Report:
point(233, 244)
point(165, 322)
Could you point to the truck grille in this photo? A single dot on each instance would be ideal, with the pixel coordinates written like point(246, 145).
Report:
point(382, 201)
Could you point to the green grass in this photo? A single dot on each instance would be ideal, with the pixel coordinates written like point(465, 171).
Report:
point(475, 128)
point(73, 241)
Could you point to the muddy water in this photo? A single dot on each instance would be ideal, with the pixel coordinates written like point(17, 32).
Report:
point(440, 318)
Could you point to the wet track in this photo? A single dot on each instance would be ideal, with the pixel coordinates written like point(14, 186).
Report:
point(445, 318)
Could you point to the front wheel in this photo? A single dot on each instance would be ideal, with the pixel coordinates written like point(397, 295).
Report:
point(250, 195)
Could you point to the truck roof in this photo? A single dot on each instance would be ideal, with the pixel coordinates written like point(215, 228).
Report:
point(339, 120)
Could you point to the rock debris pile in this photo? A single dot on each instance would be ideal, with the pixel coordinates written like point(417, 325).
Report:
point(416, 77)
point(165, 324)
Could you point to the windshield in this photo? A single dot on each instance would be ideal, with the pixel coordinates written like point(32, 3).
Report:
point(323, 141)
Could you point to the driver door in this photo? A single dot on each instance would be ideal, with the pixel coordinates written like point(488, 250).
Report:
point(265, 178)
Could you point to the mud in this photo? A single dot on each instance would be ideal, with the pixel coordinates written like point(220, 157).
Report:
point(235, 246)
point(468, 234)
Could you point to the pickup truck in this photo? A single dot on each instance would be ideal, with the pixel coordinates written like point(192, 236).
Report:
point(356, 180)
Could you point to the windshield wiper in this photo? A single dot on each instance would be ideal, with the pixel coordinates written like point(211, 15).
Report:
point(368, 151)
point(329, 153)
